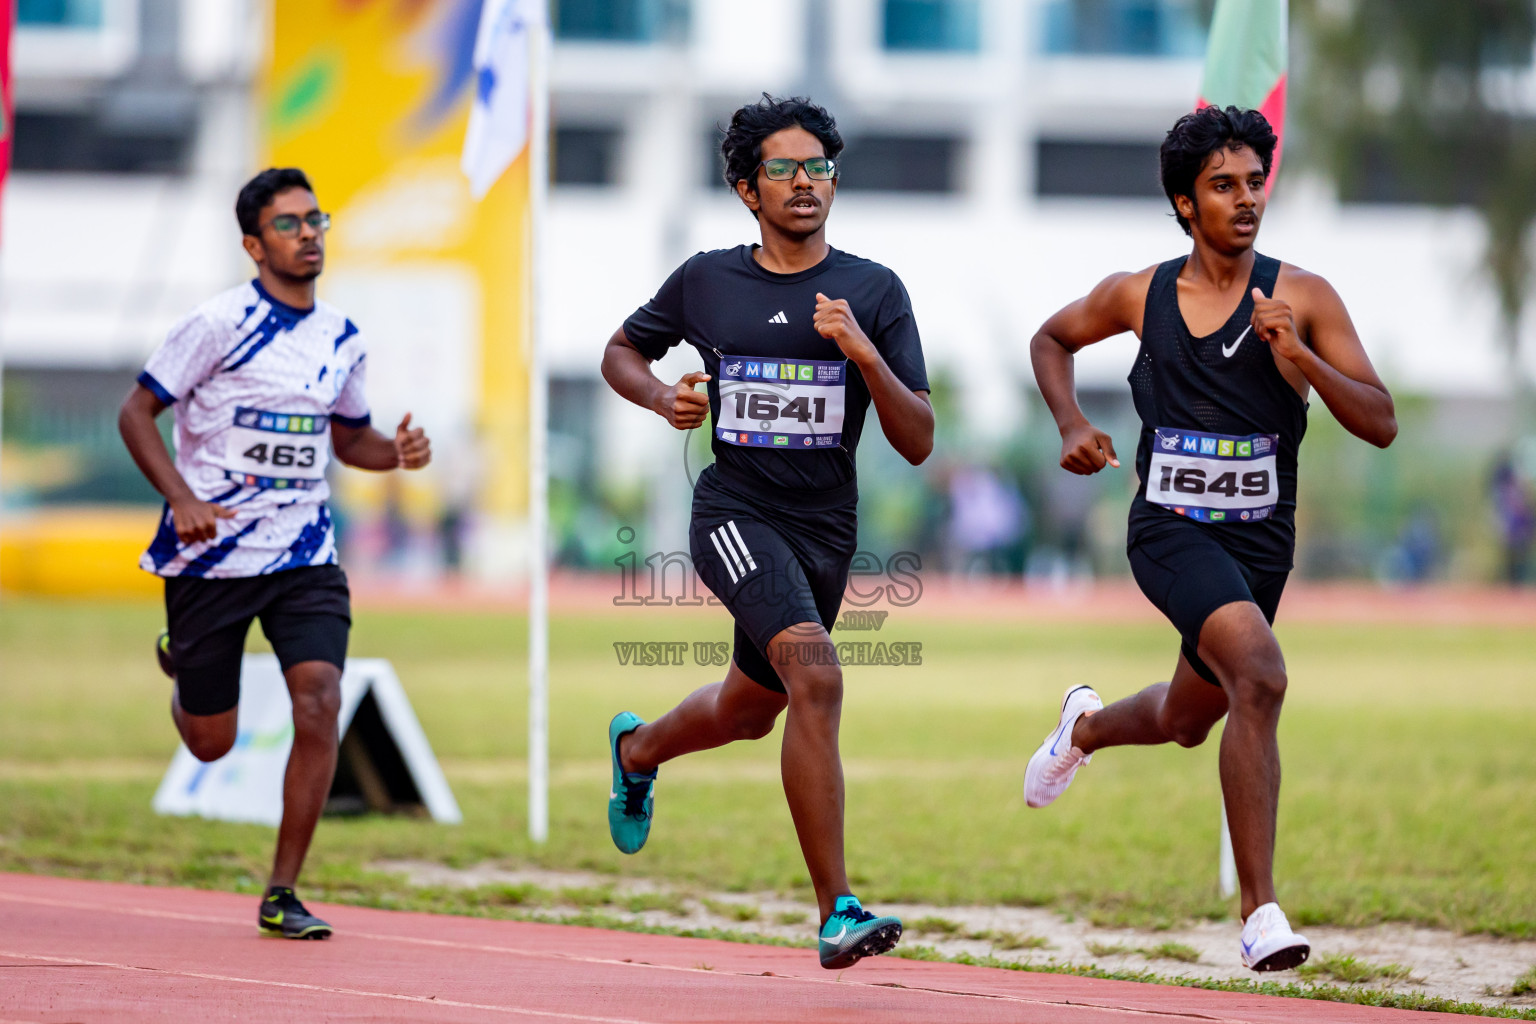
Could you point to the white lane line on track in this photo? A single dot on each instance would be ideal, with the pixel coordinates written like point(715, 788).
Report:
point(327, 989)
point(544, 954)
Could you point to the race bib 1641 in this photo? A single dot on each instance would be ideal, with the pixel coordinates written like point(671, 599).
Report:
point(793, 405)
point(1215, 478)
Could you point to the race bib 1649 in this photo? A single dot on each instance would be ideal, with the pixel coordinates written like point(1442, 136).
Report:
point(1215, 478)
point(792, 405)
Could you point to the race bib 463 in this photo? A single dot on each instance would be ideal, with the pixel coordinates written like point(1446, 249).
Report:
point(275, 449)
point(771, 403)
point(1215, 478)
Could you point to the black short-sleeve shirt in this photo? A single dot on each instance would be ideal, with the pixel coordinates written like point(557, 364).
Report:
point(781, 378)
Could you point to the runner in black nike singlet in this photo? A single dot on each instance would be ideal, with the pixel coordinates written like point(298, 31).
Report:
point(1232, 342)
point(798, 339)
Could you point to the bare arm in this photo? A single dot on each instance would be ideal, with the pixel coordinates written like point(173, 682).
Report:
point(906, 416)
point(367, 448)
point(628, 372)
point(1332, 359)
point(1114, 306)
point(195, 520)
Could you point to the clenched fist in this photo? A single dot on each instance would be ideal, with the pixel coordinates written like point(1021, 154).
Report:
point(834, 319)
point(412, 449)
point(196, 520)
point(682, 406)
point(1273, 322)
point(1086, 449)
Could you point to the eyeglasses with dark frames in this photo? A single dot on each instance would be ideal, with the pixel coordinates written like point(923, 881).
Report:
point(817, 168)
point(288, 225)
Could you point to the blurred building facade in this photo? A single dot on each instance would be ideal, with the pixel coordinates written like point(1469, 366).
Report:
point(1001, 158)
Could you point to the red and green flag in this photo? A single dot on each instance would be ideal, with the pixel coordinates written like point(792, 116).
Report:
point(1245, 62)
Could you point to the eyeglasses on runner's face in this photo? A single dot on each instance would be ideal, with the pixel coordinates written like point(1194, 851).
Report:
point(286, 225)
point(818, 168)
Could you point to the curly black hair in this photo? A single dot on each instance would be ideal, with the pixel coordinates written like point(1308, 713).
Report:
point(1194, 137)
point(743, 142)
point(261, 190)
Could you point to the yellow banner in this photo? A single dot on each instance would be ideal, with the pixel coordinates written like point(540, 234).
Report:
point(371, 98)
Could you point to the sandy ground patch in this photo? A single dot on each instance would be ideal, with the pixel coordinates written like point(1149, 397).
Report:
point(1468, 968)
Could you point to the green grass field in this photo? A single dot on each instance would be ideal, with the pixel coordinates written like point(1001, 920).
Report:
point(1408, 757)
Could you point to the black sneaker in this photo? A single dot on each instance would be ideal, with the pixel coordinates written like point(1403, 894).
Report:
point(283, 916)
point(163, 653)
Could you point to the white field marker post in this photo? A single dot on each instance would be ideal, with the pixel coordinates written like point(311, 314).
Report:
point(1228, 871)
point(538, 443)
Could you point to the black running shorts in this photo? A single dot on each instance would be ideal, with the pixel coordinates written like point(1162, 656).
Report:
point(305, 613)
point(1187, 574)
point(770, 564)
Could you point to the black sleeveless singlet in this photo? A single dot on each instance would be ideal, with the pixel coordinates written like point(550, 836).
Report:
point(1181, 382)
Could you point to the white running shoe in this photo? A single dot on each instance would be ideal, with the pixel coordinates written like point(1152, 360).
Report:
point(1268, 942)
point(1051, 770)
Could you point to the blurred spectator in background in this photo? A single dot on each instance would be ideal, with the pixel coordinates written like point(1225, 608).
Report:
point(458, 476)
point(397, 529)
point(1514, 508)
point(1064, 552)
point(988, 518)
point(1416, 555)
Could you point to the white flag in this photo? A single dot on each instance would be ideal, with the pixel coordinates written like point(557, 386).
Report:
point(498, 122)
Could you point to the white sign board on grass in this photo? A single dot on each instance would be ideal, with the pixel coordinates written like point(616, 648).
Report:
point(385, 762)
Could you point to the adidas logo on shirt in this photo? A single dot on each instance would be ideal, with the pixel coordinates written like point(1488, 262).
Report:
point(778, 318)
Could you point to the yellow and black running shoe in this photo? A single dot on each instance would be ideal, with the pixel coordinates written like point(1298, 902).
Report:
point(283, 916)
point(163, 653)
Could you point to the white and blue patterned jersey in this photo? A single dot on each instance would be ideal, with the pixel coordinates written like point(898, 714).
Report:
point(255, 384)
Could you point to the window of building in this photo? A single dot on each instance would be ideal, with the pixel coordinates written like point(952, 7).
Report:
point(585, 155)
point(1071, 167)
point(901, 163)
point(82, 142)
point(59, 13)
point(620, 21)
point(714, 160)
point(75, 38)
point(72, 412)
point(933, 25)
point(1132, 28)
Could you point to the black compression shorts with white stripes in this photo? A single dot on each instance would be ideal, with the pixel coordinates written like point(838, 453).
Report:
point(771, 565)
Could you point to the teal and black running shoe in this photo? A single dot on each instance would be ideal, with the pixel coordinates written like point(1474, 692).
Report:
point(630, 800)
point(163, 653)
point(283, 916)
point(852, 933)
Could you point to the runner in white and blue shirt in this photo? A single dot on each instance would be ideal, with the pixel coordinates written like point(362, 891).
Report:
point(255, 385)
point(266, 382)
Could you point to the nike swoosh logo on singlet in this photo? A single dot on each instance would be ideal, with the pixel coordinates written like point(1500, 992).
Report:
point(1228, 351)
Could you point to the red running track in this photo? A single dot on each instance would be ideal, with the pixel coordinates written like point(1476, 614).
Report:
point(74, 951)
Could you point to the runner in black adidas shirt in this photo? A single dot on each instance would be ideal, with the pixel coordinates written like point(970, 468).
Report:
point(1231, 344)
point(798, 339)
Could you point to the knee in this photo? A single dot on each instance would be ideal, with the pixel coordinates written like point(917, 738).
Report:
point(208, 737)
point(210, 747)
point(1260, 686)
point(751, 726)
point(1184, 732)
point(818, 687)
point(316, 713)
point(316, 706)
